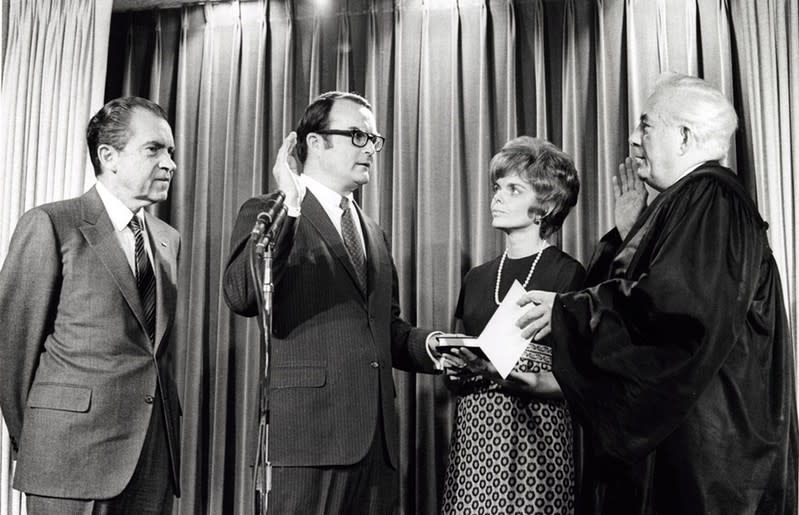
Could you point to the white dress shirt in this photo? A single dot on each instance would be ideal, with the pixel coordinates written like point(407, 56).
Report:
point(120, 217)
point(331, 201)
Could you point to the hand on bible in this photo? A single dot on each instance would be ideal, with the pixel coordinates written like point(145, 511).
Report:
point(287, 172)
point(630, 194)
point(535, 321)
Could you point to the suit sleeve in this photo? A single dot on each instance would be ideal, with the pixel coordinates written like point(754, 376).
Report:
point(29, 290)
point(633, 355)
point(237, 283)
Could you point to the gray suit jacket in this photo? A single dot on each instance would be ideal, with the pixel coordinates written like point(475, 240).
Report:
point(77, 371)
point(333, 348)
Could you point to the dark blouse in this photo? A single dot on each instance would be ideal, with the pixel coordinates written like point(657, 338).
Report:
point(556, 271)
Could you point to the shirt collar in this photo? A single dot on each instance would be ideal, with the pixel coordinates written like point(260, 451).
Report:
point(329, 199)
point(119, 214)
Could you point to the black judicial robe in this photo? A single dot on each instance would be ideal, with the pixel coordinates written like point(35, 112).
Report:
point(679, 361)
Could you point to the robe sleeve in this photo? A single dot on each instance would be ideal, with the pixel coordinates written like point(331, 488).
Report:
point(633, 354)
point(602, 258)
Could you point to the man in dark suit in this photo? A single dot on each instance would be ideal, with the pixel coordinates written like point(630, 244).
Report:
point(337, 330)
point(87, 298)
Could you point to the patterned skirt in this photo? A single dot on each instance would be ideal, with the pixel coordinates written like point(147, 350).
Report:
point(510, 454)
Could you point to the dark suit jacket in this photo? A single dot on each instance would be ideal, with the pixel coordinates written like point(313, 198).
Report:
point(77, 371)
point(333, 349)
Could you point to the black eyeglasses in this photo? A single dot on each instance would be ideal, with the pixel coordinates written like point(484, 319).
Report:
point(359, 138)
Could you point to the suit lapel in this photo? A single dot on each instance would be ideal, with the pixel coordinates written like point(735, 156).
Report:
point(163, 257)
point(99, 233)
point(315, 214)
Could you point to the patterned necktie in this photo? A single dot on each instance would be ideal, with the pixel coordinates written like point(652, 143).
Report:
point(353, 244)
point(145, 279)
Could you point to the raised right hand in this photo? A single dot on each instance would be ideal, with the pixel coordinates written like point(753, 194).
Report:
point(286, 172)
point(630, 195)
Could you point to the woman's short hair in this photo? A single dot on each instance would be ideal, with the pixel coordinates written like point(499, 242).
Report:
point(548, 170)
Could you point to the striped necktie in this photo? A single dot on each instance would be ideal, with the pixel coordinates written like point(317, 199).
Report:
point(353, 244)
point(145, 279)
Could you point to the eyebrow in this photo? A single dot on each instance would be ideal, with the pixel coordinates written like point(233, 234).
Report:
point(354, 128)
point(513, 180)
point(154, 143)
point(158, 144)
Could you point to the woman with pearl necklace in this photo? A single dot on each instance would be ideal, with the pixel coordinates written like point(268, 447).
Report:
point(512, 443)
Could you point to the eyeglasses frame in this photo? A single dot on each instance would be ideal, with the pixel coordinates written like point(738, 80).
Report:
point(374, 138)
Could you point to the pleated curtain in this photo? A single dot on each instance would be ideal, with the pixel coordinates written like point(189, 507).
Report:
point(450, 82)
point(54, 57)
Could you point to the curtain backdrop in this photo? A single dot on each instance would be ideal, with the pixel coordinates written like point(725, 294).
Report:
point(450, 82)
point(53, 70)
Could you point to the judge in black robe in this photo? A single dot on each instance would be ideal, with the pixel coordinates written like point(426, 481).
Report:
point(679, 360)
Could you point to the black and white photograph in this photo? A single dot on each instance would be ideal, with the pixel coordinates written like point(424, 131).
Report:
point(399, 257)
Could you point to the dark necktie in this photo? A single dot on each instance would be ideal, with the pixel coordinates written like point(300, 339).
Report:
point(353, 244)
point(145, 279)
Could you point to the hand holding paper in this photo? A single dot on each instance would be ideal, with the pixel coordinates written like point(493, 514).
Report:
point(535, 322)
point(501, 341)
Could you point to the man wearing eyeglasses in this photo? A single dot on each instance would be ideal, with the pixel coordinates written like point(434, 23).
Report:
point(337, 330)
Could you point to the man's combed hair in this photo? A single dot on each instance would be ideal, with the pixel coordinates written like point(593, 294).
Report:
point(548, 170)
point(694, 103)
point(111, 125)
point(316, 117)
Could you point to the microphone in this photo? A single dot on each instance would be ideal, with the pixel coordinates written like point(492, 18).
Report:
point(272, 233)
point(265, 219)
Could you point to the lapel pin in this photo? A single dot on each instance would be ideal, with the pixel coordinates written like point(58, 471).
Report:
point(163, 244)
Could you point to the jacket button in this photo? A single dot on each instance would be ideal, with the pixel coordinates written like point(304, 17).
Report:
point(374, 364)
point(149, 399)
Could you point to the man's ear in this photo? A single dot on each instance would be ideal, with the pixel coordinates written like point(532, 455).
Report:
point(108, 157)
point(315, 141)
point(686, 139)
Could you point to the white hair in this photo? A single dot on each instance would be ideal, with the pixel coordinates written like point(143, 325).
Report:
point(693, 103)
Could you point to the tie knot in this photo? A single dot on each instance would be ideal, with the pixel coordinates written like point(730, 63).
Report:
point(135, 224)
point(345, 203)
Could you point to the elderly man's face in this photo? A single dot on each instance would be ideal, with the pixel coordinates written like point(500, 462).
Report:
point(144, 168)
point(656, 146)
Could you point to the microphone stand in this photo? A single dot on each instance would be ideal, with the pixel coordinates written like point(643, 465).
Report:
point(264, 250)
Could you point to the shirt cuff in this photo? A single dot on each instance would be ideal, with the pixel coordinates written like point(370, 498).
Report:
point(438, 363)
point(292, 211)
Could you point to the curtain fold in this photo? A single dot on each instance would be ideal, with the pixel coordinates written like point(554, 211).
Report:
point(767, 44)
point(53, 69)
point(450, 82)
point(579, 122)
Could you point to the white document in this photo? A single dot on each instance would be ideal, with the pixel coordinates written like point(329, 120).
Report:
point(502, 340)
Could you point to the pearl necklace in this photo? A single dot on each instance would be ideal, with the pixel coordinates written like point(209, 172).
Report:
point(529, 274)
